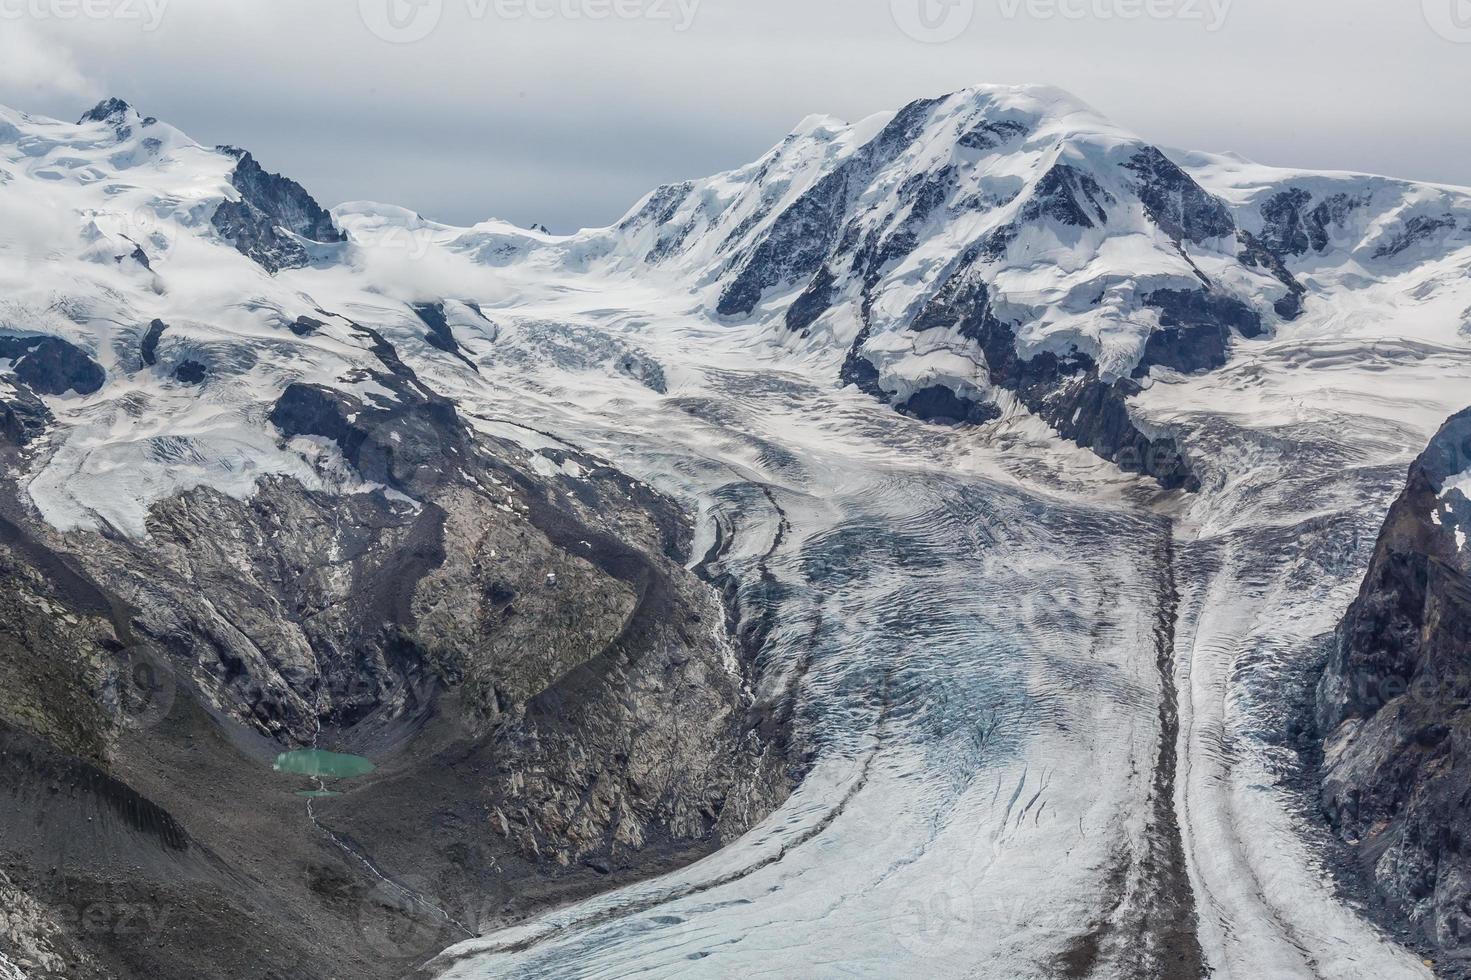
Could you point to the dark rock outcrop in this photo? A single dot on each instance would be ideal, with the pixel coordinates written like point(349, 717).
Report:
point(283, 199)
point(1294, 225)
point(440, 335)
point(1255, 254)
point(1176, 203)
point(23, 417)
point(305, 326)
point(191, 373)
point(1070, 197)
point(52, 366)
point(1418, 229)
point(1394, 705)
point(257, 237)
point(658, 212)
point(858, 370)
point(148, 349)
point(941, 405)
point(115, 112)
point(990, 135)
point(413, 442)
point(1195, 330)
point(104, 111)
point(137, 255)
point(815, 300)
point(272, 212)
point(798, 242)
point(1067, 392)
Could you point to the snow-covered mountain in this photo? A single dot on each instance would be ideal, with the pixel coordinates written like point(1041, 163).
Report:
point(1004, 249)
point(1034, 465)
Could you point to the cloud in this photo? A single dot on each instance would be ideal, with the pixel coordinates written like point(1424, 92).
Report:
point(567, 121)
point(34, 65)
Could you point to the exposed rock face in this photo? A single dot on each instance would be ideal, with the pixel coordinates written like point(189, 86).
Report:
point(1177, 204)
point(1066, 392)
point(554, 704)
point(1418, 229)
point(1294, 225)
point(272, 210)
point(256, 236)
point(52, 366)
point(114, 111)
point(305, 326)
point(858, 245)
point(1256, 254)
point(411, 443)
point(799, 241)
point(1196, 328)
point(23, 416)
point(148, 349)
point(440, 334)
point(191, 373)
point(105, 110)
point(1395, 703)
point(1069, 196)
point(283, 199)
point(939, 404)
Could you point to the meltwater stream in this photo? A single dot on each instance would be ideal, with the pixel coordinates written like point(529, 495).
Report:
point(976, 685)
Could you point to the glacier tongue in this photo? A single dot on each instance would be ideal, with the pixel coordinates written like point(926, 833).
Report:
point(973, 629)
point(972, 677)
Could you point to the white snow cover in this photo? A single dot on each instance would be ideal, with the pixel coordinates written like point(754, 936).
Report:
point(971, 633)
point(1461, 483)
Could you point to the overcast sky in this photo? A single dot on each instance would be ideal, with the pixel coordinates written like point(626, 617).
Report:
point(518, 109)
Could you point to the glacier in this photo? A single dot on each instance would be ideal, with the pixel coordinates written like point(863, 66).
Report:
point(1042, 695)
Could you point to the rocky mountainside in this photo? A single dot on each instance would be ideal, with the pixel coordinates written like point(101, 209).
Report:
point(233, 526)
point(1395, 703)
point(1003, 250)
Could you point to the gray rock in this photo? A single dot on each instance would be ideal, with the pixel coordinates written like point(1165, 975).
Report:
point(271, 210)
point(52, 366)
point(1394, 706)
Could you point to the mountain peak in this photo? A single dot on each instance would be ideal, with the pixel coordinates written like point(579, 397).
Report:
point(106, 111)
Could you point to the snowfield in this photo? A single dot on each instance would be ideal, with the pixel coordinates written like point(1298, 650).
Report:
point(1045, 706)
